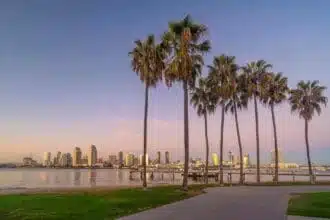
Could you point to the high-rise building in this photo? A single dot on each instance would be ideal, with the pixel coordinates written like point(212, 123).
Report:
point(92, 155)
point(159, 157)
point(58, 158)
point(76, 159)
point(112, 159)
point(231, 158)
point(47, 159)
point(246, 161)
point(215, 159)
point(129, 160)
point(167, 157)
point(120, 158)
point(280, 156)
point(237, 160)
point(141, 160)
point(66, 160)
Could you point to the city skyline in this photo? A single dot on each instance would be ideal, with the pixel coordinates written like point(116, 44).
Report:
point(76, 87)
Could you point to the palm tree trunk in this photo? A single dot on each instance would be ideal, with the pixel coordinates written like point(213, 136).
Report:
point(257, 137)
point(145, 137)
point(221, 142)
point(241, 180)
point(308, 154)
point(186, 137)
point(275, 144)
point(207, 150)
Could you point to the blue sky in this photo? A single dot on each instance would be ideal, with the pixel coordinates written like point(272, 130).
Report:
point(65, 75)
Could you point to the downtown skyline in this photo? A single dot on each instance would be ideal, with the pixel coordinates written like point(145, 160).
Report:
point(89, 94)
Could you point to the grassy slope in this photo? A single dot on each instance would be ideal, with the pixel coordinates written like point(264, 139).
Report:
point(89, 205)
point(310, 204)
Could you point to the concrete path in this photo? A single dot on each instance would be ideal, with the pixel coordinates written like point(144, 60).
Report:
point(230, 203)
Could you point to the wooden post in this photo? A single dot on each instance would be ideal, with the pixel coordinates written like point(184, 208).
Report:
point(293, 176)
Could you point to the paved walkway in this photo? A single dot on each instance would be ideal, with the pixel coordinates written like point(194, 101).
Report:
point(230, 203)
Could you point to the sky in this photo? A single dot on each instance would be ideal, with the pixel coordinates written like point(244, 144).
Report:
point(65, 76)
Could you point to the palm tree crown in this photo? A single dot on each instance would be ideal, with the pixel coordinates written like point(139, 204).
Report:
point(201, 98)
point(307, 99)
point(275, 89)
point(185, 46)
point(148, 60)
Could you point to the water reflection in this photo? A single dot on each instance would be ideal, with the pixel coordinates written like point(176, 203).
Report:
point(92, 177)
point(77, 175)
point(44, 177)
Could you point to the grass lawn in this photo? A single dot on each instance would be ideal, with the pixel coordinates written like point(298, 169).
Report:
point(96, 205)
point(310, 204)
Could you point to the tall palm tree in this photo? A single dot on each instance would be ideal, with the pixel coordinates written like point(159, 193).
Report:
point(185, 45)
point(306, 100)
point(237, 101)
point(201, 100)
point(254, 72)
point(219, 82)
point(275, 92)
point(147, 61)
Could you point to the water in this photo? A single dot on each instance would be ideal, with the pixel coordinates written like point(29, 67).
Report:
point(58, 178)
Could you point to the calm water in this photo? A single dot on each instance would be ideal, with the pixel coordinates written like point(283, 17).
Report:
point(39, 178)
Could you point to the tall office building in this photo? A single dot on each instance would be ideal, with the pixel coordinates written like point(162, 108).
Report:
point(66, 160)
point(76, 159)
point(92, 156)
point(112, 159)
point(280, 156)
point(129, 160)
point(231, 158)
point(120, 158)
point(246, 161)
point(158, 157)
point(58, 158)
point(141, 160)
point(47, 159)
point(167, 157)
point(215, 159)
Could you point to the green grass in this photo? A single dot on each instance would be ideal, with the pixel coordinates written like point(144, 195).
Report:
point(310, 204)
point(101, 204)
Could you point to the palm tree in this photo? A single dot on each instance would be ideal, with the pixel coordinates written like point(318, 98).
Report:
point(201, 100)
point(219, 82)
point(147, 62)
point(237, 100)
point(276, 88)
point(254, 71)
point(306, 99)
point(185, 44)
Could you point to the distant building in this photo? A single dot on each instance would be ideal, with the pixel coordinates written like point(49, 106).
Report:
point(246, 160)
point(129, 160)
point(84, 160)
point(47, 159)
point(167, 157)
point(120, 158)
point(66, 160)
point(135, 161)
point(76, 158)
point(92, 156)
point(141, 160)
point(159, 158)
point(215, 159)
point(112, 159)
point(58, 158)
point(28, 161)
point(273, 156)
point(231, 158)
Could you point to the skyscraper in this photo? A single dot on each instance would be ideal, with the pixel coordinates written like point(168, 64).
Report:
point(66, 160)
point(215, 159)
point(120, 158)
point(76, 160)
point(47, 159)
point(141, 160)
point(246, 160)
point(58, 158)
point(92, 156)
point(280, 156)
point(129, 160)
point(112, 159)
point(158, 157)
point(167, 157)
